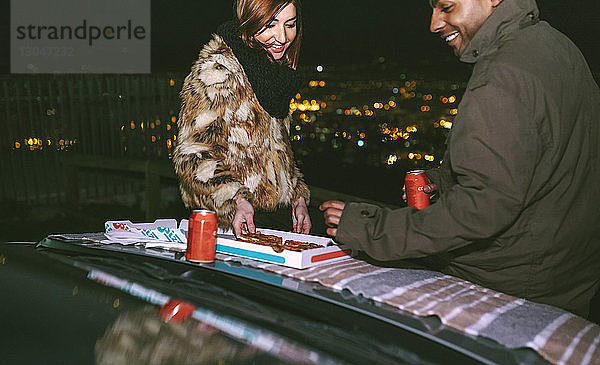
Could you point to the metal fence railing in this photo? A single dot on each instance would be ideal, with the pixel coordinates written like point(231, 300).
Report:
point(45, 117)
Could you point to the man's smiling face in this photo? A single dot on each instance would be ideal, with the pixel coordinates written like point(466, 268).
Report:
point(457, 21)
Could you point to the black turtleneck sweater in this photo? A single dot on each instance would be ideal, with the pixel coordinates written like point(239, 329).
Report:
point(274, 84)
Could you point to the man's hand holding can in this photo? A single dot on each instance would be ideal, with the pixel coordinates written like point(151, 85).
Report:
point(416, 189)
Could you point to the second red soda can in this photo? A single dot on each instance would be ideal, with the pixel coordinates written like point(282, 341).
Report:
point(202, 236)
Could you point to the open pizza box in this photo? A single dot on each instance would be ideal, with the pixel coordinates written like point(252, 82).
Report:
point(166, 233)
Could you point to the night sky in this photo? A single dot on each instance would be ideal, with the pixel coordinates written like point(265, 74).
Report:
point(336, 31)
point(346, 31)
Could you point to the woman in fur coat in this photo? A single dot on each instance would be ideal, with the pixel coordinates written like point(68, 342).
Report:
point(233, 153)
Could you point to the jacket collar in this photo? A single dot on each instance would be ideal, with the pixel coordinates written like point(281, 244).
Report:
point(508, 17)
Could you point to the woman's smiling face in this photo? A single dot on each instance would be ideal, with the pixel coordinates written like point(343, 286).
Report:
point(277, 36)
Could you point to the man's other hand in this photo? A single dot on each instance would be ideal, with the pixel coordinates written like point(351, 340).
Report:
point(332, 211)
point(429, 189)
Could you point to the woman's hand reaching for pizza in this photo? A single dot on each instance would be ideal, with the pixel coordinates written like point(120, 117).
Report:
point(300, 219)
point(243, 221)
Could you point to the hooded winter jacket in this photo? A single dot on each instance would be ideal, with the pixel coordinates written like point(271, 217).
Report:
point(234, 123)
point(519, 205)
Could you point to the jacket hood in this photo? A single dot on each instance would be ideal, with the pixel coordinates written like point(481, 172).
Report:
point(509, 16)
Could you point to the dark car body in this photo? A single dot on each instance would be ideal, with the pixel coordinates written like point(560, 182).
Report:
point(65, 302)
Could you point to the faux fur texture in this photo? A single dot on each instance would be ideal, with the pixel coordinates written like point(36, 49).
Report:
point(228, 145)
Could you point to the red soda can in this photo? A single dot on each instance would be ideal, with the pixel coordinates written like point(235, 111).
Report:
point(176, 311)
point(415, 182)
point(202, 236)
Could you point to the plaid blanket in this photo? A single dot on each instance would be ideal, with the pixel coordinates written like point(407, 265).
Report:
point(559, 336)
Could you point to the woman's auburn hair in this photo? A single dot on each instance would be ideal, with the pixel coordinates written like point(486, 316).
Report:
point(254, 15)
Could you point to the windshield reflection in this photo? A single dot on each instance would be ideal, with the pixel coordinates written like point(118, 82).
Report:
point(143, 337)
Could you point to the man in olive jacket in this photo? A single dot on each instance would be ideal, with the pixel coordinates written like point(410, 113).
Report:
point(519, 186)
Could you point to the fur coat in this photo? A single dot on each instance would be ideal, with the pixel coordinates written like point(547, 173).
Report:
point(228, 145)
